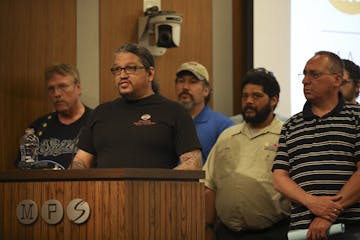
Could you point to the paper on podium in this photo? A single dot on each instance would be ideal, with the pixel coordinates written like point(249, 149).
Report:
point(301, 233)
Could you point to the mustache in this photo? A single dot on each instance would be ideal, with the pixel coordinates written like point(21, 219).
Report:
point(59, 101)
point(122, 81)
point(249, 108)
point(185, 92)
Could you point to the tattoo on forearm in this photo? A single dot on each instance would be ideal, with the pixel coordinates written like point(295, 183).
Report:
point(190, 160)
point(77, 165)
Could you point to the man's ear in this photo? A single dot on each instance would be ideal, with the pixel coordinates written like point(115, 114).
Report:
point(207, 91)
point(78, 87)
point(338, 80)
point(151, 73)
point(274, 101)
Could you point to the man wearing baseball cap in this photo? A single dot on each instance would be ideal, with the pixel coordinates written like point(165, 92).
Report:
point(193, 91)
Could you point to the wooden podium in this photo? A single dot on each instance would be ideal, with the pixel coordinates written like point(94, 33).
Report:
point(124, 203)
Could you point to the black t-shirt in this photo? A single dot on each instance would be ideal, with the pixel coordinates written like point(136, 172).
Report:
point(58, 142)
point(148, 133)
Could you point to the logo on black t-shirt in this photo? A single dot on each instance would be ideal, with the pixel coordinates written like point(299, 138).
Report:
point(145, 120)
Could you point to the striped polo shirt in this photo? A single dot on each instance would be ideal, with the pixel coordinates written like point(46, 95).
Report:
point(320, 154)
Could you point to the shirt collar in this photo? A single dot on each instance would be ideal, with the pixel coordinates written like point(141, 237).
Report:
point(274, 127)
point(308, 114)
point(203, 115)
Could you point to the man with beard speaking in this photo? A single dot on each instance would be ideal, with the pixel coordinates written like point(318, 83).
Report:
point(241, 202)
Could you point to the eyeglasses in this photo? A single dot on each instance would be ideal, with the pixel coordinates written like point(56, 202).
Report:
point(346, 81)
point(313, 74)
point(62, 87)
point(127, 69)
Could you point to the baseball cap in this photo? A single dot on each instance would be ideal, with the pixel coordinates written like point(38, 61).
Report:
point(195, 68)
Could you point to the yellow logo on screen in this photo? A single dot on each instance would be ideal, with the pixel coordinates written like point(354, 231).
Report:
point(347, 6)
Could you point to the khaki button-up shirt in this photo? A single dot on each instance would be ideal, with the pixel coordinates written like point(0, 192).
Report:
point(238, 169)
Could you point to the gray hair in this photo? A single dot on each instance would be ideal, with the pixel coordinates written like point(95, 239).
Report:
point(62, 69)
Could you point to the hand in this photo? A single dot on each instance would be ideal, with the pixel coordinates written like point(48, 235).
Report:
point(326, 207)
point(318, 229)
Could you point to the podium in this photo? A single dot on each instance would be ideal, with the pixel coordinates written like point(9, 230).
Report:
point(123, 204)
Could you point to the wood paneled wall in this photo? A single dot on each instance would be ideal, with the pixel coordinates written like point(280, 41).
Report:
point(119, 25)
point(33, 34)
point(242, 46)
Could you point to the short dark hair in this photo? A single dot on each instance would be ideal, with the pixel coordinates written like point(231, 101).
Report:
point(145, 56)
point(353, 70)
point(62, 69)
point(264, 78)
point(336, 64)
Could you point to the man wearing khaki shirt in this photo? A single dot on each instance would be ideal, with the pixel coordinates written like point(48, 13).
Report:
point(239, 191)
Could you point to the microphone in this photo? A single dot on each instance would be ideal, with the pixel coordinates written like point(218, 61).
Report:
point(47, 164)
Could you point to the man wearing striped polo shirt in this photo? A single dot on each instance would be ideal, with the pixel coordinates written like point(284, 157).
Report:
point(317, 163)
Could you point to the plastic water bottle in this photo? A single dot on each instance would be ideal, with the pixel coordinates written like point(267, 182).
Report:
point(29, 145)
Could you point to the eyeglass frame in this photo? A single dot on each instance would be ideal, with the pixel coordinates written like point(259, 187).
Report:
point(314, 74)
point(62, 87)
point(345, 81)
point(127, 69)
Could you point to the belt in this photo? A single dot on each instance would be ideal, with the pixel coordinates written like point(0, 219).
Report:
point(274, 226)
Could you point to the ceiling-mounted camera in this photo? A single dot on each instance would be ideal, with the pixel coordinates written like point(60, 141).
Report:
point(159, 30)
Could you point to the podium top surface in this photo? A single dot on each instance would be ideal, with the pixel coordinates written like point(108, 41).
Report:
point(15, 175)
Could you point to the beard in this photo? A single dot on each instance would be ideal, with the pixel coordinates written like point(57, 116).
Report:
point(187, 105)
point(260, 115)
point(355, 91)
point(124, 93)
point(130, 93)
